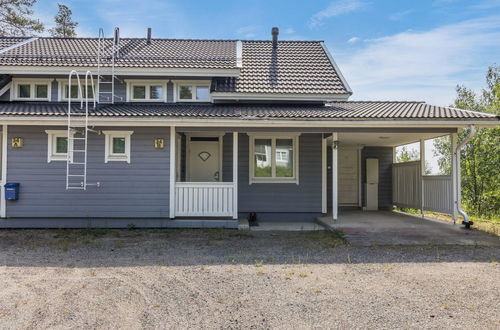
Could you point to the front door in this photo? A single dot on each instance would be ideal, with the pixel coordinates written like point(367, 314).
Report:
point(204, 160)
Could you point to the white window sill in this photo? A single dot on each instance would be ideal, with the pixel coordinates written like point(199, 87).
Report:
point(274, 180)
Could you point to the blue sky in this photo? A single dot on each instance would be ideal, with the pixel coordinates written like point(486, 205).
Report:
point(387, 50)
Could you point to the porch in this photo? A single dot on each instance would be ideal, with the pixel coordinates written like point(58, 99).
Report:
point(216, 174)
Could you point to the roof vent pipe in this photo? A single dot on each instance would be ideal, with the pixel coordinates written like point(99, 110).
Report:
point(275, 32)
point(116, 42)
point(149, 37)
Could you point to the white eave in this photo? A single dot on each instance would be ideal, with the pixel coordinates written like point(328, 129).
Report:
point(250, 122)
point(64, 70)
point(337, 69)
point(278, 97)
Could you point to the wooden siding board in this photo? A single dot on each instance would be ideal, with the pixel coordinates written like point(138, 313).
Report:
point(138, 189)
point(283, 197)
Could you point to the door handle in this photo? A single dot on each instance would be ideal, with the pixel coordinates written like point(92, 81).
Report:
point(216, 176)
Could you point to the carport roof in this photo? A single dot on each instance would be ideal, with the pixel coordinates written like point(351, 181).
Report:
point(349, 110)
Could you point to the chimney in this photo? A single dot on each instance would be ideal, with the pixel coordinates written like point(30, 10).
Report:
point(275, 32)
point(149, 37)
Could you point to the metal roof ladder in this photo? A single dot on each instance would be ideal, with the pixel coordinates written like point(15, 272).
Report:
point(78, 130)
point(106, 67)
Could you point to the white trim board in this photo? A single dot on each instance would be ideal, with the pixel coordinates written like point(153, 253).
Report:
point(5, 88)
point(279, 97)
point(162, 72)
point(231, 123)
point(3, 204)
point(336, 68)
point(6, 49)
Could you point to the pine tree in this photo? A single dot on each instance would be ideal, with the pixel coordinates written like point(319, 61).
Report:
point(65, 26)
point(16, 20)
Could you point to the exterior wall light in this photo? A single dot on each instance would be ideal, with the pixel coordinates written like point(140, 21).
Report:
point(159, 143)
point(17, 142)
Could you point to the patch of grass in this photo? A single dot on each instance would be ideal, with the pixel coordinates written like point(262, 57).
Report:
point(259, 263)
point(325, 239)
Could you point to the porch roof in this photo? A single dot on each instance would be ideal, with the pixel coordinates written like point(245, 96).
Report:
point(335, 111)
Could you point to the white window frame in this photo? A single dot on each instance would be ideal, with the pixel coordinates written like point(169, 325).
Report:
point(147, 84)
point(193, 83)
point(109, 156)
point(62, 83)
point(14, 95)
point(52, 154)
point(273, 136)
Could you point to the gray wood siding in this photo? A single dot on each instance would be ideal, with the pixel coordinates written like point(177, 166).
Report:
point(283, 197)
point(138, 189)
point(384, 155)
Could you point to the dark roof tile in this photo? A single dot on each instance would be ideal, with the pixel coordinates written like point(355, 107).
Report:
point(333, 111)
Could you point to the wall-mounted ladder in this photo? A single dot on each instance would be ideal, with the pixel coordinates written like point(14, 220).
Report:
point(106, 58)
point(78, 129)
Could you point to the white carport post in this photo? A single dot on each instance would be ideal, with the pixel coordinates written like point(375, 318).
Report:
point(335, 178)
point(235, 175)
point(454, 183)
point(422, 173)
point(171, 212)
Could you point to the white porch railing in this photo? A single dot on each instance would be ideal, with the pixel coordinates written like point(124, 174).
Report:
point(204, 199)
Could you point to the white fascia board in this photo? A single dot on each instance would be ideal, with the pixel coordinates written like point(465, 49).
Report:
point(239, 54)
point(279, 97)
point(177, 72)
point(5, 88)
point(336, 67)
point(6, 49)
point(207, 122)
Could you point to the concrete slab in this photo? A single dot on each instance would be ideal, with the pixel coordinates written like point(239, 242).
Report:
point(287, 226)
point(391, 228)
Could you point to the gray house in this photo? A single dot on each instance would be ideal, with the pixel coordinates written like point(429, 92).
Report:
point(171, 133)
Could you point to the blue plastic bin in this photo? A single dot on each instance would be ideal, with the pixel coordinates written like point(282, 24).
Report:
point(11, 191)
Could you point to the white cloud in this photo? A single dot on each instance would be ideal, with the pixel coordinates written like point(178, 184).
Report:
point(336, 8)
point(249, 31)
point(353, 40)
point(289, 31)
point(400, 15)
point(426, 65)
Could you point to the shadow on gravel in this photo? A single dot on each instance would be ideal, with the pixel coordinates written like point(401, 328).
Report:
point(184, 247)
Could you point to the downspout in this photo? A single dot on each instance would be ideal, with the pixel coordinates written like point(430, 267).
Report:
point(466, 222)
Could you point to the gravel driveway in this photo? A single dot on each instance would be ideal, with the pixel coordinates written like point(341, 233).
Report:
point(228, 279)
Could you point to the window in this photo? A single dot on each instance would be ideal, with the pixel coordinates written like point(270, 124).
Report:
point(57, 145)
point(273, 158)
point(117, 146)
point(75, 92)
point(64, 90)
point(146, 91)
point(35, 89)
point(193, 92)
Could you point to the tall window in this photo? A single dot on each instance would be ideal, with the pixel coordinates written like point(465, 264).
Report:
point(274, 159)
